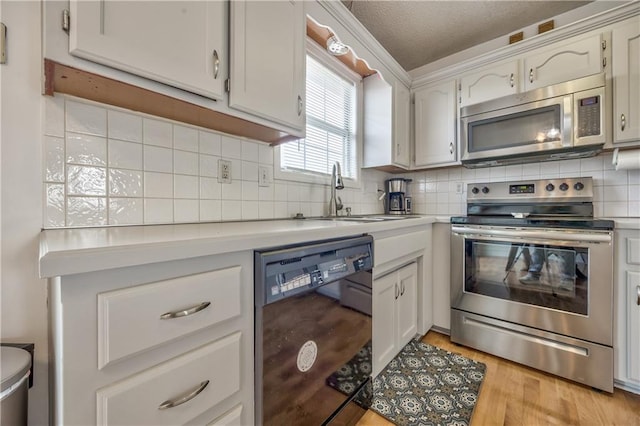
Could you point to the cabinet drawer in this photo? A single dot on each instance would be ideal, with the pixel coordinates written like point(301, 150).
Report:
point(633, 251)
point(230, 418)
point(214, 370)
point(391, 248)
point(134, 319)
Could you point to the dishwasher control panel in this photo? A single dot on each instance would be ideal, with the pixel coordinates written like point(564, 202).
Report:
point(283, 273)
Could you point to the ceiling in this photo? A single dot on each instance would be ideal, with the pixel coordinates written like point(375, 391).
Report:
point(418, 32)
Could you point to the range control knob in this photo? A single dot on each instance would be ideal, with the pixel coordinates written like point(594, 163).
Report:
point(475, 190)
point(485, 190)
point(564, 186)
point(579, 186)
point(549, 187)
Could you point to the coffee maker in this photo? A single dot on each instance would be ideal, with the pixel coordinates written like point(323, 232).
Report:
point(396, 201)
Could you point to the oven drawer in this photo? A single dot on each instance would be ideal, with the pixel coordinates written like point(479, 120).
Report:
point(571, 358)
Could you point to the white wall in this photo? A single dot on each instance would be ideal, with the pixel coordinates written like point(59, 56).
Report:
point(23, 295)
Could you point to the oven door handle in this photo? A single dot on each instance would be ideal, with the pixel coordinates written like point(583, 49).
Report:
point(523, 234)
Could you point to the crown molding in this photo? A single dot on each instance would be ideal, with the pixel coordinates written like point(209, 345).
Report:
point(577, 28)
point(338, 11)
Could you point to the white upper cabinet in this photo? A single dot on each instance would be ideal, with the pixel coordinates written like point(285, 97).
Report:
point(490, 83)
point(435, 125)
point(626, 81)
point(386, 123)
point(267, 74)
point(179, 43)
point(401, 124)
point(563, 61)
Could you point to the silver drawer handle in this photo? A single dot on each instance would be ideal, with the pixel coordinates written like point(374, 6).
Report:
point(638, 300)
point(511, 80)
point(623, 122)
point(185, 312)
point(402, 291)
point(170, 403)
point(299, 105)
point(451, 148)
point(530, 75)
point(216, 64)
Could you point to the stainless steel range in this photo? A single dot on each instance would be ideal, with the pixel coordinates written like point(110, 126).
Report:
point(532, 277)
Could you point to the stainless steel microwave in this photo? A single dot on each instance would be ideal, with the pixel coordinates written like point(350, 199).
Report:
point(566, 120)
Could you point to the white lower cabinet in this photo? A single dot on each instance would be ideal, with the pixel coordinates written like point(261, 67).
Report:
point(395, 313)
point(168, 343)
point(627, 310)
point(176, 391)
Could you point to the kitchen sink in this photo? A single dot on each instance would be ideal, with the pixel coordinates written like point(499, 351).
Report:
point(372, 218)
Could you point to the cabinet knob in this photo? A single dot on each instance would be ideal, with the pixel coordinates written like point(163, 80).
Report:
point(299, 105)
point(623, 122)
point(188, 396)
point(397, 291)
point(451, 148)
point(402, 291)
point(530, 75)
point(216, 64)
point(511, 80)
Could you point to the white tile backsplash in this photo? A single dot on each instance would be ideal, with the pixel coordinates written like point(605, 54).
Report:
point(124, 126)
point(124, 155)
point(96, 172)
point(86, 149)
point(85, 118)
point(156, 132)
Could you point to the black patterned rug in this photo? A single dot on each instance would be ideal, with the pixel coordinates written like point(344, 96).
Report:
point(422, 385)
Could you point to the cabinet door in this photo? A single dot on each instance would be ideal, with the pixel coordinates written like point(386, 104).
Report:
point(179, 43)
point(633, 327)
point(268, 60)
point(563, 62)
point(491, 83)
point(407, 304)
point(401, 119)
point(626, 82)
point(385, 293)
point(435, 130)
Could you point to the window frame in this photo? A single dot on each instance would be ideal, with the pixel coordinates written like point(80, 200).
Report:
point(331, 62)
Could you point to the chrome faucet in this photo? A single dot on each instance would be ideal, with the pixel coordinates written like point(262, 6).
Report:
point(335, 204)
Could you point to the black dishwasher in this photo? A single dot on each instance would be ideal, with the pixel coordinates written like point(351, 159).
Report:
point(313, 344)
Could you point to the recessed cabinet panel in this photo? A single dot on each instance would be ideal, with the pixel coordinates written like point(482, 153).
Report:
point(626, 82)
point(401, 123)
point(563, 62)
point(134, 319)
point(435, 129)
point(179, 43)
point(633, 327)
point(384, 321)
point(268, 60)
point(491, 83)
point(176, 391)
point(407, 307)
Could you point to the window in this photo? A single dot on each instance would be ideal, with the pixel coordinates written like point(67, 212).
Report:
point(331, 100)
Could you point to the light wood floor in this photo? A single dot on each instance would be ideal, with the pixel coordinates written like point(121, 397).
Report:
point(512, 394)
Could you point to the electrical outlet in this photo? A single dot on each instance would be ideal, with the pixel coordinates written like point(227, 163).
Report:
point(264, 176)
point(459, 187)
point(224, 171)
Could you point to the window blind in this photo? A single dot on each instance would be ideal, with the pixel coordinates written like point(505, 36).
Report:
point(330, 136)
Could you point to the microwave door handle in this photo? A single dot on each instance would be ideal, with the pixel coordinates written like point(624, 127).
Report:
point(567, 121)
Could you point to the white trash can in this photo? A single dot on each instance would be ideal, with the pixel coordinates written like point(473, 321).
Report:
point(14, 390)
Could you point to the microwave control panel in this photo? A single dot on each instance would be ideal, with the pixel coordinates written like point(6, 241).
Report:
point(589, 113)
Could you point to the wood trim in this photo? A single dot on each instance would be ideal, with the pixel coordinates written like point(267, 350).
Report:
point(61, 78)
point(320, 34)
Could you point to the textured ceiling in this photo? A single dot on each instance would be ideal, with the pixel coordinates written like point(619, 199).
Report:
point(418, 32)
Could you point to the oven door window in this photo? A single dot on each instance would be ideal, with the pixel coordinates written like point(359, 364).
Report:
point(554, 277)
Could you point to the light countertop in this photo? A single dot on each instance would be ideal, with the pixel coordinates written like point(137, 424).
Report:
point(72, 251)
